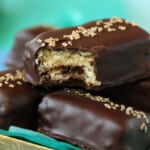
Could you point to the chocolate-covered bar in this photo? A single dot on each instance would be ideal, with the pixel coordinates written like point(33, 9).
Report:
point(136, 94)
point(15, 58)
point(95, 120)
point(18, 100)
point(95, 55)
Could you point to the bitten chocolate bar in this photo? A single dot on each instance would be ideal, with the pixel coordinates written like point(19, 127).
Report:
point(18, 100)
point(95, 55)
point(95, 120)
point(15, 58)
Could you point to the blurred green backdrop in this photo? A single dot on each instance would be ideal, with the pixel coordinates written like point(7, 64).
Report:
point(18, 14)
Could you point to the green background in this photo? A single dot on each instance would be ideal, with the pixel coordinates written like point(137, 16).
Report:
point(19, 14)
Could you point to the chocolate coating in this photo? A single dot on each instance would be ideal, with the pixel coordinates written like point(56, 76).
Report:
point(117, 53)
point(18, 100)
point(75, 142)
point(15, 58)
point(95, 121)
point(136, 94)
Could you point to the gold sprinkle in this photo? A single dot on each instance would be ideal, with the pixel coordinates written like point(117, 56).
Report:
point(36, 61)
point(105, 99)
point(114, 108)
point(87, 32)
point(90, 32)
point(111, 103)
point(108, 23)
point(18, 75)
point(69, 43)
point(122, 107)
point(144, 127)
point(81, 28)
point(19, 83)
point(2, 78)
point(98, 99)
point(64, 44)
point(87, 94)
point(133, 24)
point(143, 114)
point(122, 28)
point(99, 22)
point(51, 41)
point(93, 34)
point(73, 36)
point(93, 29)
point(129, 110)
point(139, 115)
point(11, 86)
point(39, 40)
point(42, 44)
point(107, 26)
point(115, 20)
point(116, 105)
point(111, 29)
point(107, 106)
point(100, 29)
point(6, 82)
point(1, 84)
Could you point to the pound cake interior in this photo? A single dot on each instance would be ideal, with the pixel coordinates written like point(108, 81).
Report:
point(62, 65)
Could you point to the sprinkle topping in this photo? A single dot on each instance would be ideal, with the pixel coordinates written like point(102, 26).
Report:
point(111, 105)
point(115, 20)
point(111, 25)
point(51, 42)
point(39, 40)
point(122, 28)
point(73, 36)
point(64, 44)
point(89, 32)
point(7, 79)
point(144, 127)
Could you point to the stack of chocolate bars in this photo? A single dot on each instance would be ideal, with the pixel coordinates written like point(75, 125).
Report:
point(87, 85)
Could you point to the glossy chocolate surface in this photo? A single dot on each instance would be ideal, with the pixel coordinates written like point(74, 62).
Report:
point(15, 58)
point(97, 121)
point(75, 142)
point(18, 100)
point(104, 38)
point(136, 94)
point(118, 53)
